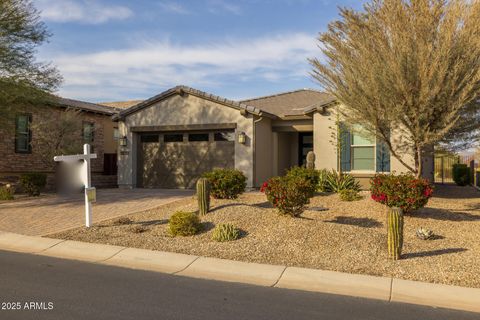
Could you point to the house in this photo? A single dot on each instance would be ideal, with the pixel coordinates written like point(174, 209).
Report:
point(169, 140)
point(21, 154)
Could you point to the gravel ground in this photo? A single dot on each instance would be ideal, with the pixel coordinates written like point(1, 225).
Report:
point(347, 237)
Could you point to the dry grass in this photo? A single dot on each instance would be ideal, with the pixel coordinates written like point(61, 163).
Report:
point(348, 237)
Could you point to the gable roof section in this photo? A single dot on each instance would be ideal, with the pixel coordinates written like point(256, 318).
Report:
point(201, 94)
point(293, 103)
point(85, 106)
point(121, 104)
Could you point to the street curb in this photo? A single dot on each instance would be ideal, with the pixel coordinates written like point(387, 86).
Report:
point(364, 286)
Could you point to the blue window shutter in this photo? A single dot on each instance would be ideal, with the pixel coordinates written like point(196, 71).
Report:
point(345, 142)
point(383, 156)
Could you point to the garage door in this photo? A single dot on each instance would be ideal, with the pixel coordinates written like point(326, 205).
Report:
point(177, 160)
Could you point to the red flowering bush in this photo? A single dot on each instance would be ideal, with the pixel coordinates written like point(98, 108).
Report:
point(288, 194)
point(403, 191)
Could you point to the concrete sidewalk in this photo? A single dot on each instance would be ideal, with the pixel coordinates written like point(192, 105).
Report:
point(47, 215)
point(381, 288)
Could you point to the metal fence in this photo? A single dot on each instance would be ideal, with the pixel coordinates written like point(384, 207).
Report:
point(444, 166)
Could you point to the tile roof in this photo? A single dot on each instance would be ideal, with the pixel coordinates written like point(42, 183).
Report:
point(292, 103)
point(121, 104)
point(198, 93)
point(86, 106)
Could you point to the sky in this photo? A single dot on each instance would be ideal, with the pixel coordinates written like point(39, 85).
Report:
point(109, 50)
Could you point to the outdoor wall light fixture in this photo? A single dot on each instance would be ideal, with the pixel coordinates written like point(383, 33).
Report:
point(242, 137)
point(123, 141)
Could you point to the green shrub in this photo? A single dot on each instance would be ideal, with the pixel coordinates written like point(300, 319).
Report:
point(322, 180)
point(6, 192)
point(184, 224)
point(402, 191)
point(33, 182)
point(336, 182)
point(289, 195)
point(349, 195)
point(312, 176)
point(225, 232)
point(461, 174)
point(226, 183)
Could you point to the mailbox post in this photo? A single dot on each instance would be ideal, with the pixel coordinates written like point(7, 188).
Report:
point(90, 192)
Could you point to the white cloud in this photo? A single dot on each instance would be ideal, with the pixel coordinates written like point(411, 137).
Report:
point(174, 7)
point(83, 11)
point(220, 6)
point(149, 67)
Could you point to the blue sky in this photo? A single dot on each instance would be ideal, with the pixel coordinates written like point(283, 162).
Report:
point(119, 50)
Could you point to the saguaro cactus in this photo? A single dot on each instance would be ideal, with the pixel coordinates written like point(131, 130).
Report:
point(203, 196)
point(310, 160)
point(395, 232)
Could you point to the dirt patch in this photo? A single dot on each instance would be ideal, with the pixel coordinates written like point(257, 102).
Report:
point(347, 237)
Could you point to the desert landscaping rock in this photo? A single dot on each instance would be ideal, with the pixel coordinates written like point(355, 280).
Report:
point(82, 251)
point(27, 244)
point(436, 295)
point(159, 261)
point(349, 237)
point(234, 271)
point(336, 283)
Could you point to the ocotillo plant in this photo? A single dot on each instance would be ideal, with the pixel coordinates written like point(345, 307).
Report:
point(310, 160)
point(395, 232)
point(203, 196)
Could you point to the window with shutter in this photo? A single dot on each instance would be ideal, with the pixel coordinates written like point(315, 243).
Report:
point(23, 135)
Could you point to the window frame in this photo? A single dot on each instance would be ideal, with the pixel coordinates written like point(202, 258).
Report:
point(164, 135)
point(28, 133)
point(84, 123)
point(358, 146)
point(198, 134)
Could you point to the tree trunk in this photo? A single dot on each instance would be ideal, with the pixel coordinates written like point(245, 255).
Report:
point(424, 162)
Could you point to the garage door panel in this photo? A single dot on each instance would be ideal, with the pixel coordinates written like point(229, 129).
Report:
point(180, 164)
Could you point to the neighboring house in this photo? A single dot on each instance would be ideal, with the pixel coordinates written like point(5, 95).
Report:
point(20, 153)
point(169, 140)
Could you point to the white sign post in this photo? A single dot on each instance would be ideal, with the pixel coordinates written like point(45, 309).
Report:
point(90, 192)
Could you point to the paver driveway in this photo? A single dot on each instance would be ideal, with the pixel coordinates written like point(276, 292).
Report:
point(51, 214)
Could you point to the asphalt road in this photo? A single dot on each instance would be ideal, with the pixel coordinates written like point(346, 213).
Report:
point(65, 289)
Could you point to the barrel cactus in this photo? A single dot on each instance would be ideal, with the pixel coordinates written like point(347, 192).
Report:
point(311, 160)
point(395, 232)
point(225, 232)
point(203, 196)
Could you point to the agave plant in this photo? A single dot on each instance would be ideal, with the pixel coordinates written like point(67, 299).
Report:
point(425, 234)
point(336, 182)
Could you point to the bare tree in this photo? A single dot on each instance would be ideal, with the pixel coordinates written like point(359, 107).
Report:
point(411, 66)
point(59, 133)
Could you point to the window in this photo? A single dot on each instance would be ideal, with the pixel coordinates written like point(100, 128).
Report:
point(116, 134)
point(88, 132)
point(23, 135)
point(176, 137)
point(360, 151)
point(363, 150)
point(197, 137)
point(145, 138)
point(224, 136)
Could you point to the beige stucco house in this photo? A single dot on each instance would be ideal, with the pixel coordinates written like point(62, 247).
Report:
point(169, 140)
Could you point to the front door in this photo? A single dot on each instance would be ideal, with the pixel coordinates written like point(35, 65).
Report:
point(305, 145)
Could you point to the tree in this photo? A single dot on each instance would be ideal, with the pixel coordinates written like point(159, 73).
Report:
point(407, 66)
point(23, 80)
point(59, 133)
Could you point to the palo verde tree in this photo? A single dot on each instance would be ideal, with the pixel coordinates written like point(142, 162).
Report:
point(23, 80)
point(410, 67)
